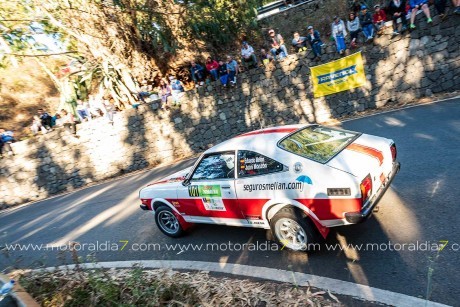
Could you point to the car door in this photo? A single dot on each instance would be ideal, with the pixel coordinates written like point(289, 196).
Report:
point(210, 190)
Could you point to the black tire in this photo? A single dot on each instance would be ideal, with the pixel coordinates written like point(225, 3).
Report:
point(168, 223)
point(290, 225)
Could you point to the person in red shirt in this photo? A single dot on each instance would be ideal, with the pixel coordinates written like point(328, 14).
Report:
point(212, 67)
point(379, 18)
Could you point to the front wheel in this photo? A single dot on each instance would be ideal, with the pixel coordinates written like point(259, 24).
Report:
point(167, 222)
point(293, 229)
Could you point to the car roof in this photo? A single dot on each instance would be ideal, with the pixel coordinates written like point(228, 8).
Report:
point(258, 140)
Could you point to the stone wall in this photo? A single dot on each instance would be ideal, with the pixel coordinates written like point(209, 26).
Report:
point(398, 70)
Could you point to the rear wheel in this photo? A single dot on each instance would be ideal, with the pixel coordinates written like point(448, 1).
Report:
point(167, 222)
point(293, 229)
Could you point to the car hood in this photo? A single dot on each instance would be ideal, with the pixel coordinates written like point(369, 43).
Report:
point(176, 177)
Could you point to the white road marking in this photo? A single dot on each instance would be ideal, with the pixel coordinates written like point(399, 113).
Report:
point(334, 285)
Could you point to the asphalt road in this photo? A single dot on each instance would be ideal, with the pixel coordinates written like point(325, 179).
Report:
point(419, 209)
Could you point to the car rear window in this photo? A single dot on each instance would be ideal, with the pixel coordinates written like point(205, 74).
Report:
point(318, 143)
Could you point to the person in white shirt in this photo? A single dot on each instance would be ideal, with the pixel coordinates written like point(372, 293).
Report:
point(248, 56)
point(339, 33)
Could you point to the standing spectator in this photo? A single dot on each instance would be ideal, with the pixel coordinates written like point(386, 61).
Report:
point(379, 18)
point(416, 5)
point(277, 44)
point(177, 88)
point(165, 92)
point(354, 27)
point(83, 110)
point(232, 70)
point(265, 57)
point(212, 66)
point(397, 9)
point(299, 42)
point(248, 57)
point(223, 73)
point(197, 72)
point(6, 138)
point(68, 121)
point(315, 42)
point(45, 119)
point(339, 33)
point(365, 18)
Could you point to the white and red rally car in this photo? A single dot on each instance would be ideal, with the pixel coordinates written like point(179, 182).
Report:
point(296, 180)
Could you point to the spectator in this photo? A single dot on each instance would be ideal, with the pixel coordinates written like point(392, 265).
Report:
point(397, 9)
point(212, 66)
point(265, 57)
point(232, 70)
point(95, 106)
point(315, 42)
point(367, 26)
point(144, 91)
point(6, 138)
point(299, 42)
point(248, 59)
point(416, 5)
point(197, 72)
point(109, 110)
point(355, 7)
point(68, 121)
point(354, 27)
point(37, 126)
point(339, 33)
point(379, 18)
point(165, 92)
point(82, 110)
point(277, 44)
point(456, 5)
point(223, 73)
point(45, 119)
point(440, 6)
point(177, 88)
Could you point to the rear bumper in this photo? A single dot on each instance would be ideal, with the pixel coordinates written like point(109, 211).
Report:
point(358, 217)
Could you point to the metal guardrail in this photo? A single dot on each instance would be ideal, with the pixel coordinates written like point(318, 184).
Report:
point(276, 7)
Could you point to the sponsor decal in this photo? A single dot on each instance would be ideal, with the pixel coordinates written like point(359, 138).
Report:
point(338, 75)
point(305, 179)
point(273, 186)
point(210, 190)
point(213, 204)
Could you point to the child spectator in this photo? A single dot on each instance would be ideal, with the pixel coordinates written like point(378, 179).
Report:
point(212, 66)
point(68, 121)
point(339, 33)
point(165, 92)
point(223, 73)
point(315, 42)
point(248, 57)
point(177, 88)
point(277, 44)
point(265, 57)
point(379, 18)
point(299, 42)
point(365, 18)
point(232, 70)
point(354, 27)
point(197, 73)
point(6, 138)
point(416, 5)
point(397, 9)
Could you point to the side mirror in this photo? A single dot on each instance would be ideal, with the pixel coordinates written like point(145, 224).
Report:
point(186, 182)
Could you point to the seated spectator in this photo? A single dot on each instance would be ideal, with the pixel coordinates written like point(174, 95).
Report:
point(248, 57)
point(265, 57)
point(415, 6)
point(379, 18)
point(144, 91)
point(6, 138)
point(397, 9)
point(37, 126)
point(177, 88)
point(165, 92)
point(339, 33)
point(95, 106)
point(354, 26)
point(365, 19)
point(299, 42)
point(232, 70)
point(223, 73)
point(277, 44)
point(197, 73)
point(315, 42)
point(68, 121)
point(82, 110)
point(45, 119)
point(212, 66)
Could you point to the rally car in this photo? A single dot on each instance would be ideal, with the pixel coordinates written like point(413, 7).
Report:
point(297, 180)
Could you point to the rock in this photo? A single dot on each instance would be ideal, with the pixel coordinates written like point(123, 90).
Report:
point(428, 93)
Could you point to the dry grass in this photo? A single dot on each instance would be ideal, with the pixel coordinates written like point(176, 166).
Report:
point(22, 90)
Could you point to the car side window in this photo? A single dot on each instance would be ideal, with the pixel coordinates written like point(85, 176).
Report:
point(215, 166)
point(251, 163)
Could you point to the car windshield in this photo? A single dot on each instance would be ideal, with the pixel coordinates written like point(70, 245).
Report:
point(318, 143)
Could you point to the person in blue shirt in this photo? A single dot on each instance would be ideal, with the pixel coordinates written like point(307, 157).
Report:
point(197, 72)
point(6, 138)
point(416, 5)
point(232, 70)
point(315, 42)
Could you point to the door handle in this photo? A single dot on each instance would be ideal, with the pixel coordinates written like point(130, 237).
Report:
point(225, 187)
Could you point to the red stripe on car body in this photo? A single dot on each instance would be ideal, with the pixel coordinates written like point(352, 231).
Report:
point(268, 131)
point(377, 154)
